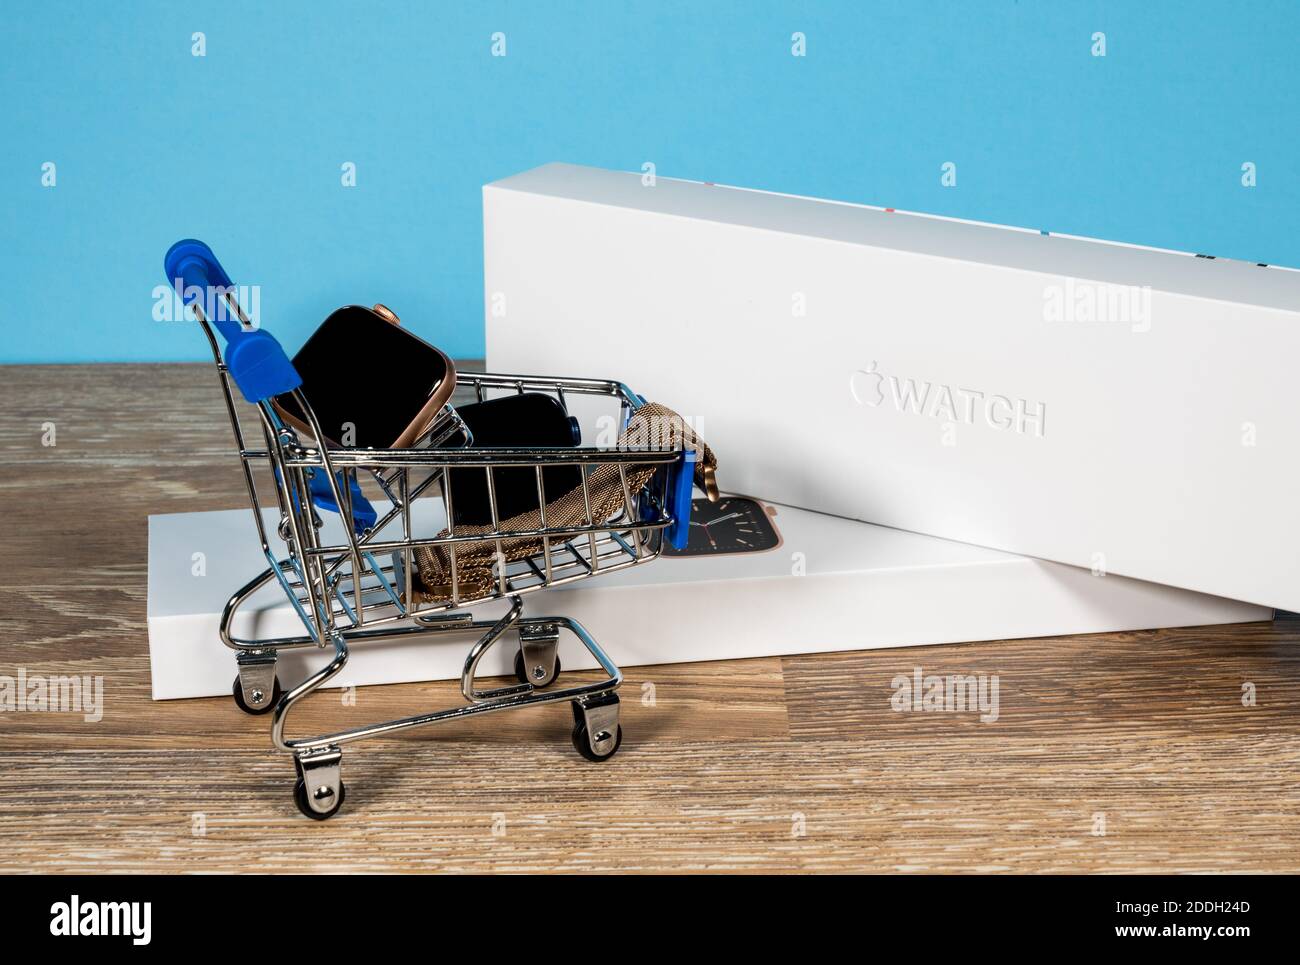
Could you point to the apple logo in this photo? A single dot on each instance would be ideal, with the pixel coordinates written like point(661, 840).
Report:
point(864, 384)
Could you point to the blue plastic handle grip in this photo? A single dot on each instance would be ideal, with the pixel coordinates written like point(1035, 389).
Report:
point(363, 514)
point(255, 359)
point(193, 270)
point(680, 477)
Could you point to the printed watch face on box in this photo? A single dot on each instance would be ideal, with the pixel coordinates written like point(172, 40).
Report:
point(733, 524)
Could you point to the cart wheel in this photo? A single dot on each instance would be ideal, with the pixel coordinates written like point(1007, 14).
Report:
point(265, 706)
point(522, 675)
point(583, 745)
point(300, 799)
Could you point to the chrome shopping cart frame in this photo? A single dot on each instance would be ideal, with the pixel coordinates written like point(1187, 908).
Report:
point(360, 588)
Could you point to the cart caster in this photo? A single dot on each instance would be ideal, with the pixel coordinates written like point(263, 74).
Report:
point(582, 742)
point(597, 734)
point(258, 701)
point(538, 659)
point(300, 799)
point(522, 674)
point(319, 792)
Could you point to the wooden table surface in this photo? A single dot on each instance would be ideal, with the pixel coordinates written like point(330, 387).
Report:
point(775, 764)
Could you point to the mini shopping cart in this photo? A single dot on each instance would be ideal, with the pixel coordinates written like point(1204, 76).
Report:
point(367, 585)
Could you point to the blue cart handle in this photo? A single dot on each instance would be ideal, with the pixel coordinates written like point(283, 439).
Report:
point(680, 476)
point(254, 358)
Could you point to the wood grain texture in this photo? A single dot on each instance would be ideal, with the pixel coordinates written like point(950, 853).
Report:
point(795, 764)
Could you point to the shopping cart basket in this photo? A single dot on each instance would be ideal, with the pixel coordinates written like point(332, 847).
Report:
point(371, 584)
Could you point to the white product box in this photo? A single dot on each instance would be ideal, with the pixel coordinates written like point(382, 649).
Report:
point(863, 587)
point(1104, 405)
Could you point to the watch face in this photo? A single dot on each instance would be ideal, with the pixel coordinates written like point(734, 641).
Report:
point(733, 524)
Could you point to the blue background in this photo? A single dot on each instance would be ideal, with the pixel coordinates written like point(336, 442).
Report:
point(243, 147)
